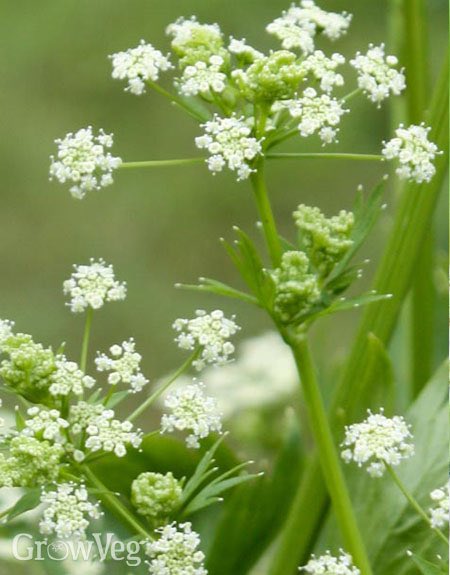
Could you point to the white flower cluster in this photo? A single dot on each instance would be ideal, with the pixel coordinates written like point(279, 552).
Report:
point(377, 75)
point(111, 435)
point(203, 78)
point(6, 330)
point(191, 410)
point(378, 441)
point(138, 65)
point(210, 332)
point(329, 565)
point(414, 152)
point(68, 378)
point(46, 423)
point(317, 113)
point(297, 27)
point(68, 513)
point(92, 285)
point(184, 30)
point(230, 143)
point(439, 515)
point(176, 551)
point(124, 365)
point(241, 49)
point(83, 159)
point(324, 69)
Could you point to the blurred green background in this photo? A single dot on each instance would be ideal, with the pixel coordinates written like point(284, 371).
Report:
point(161, 226)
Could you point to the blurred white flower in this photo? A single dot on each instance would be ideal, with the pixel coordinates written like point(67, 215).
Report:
point(439, 515)
point(329, 565)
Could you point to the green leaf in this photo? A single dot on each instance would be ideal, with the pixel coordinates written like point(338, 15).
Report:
point(221, 289)
point(253, 515)
point(117, 398)
point(427, 568)
point(29, 500)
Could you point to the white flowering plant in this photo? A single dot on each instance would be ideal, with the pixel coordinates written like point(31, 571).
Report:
point(73, 452)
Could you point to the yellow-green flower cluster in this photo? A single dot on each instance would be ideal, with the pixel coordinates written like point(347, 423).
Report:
point(155, 495)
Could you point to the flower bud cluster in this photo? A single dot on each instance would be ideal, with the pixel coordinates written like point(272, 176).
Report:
point(193, 42)
point(155, 495)
point(124, 366)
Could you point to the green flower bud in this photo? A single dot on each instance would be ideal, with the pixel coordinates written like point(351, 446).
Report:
point(297, 290)
point(325, 240)
point(155, 495)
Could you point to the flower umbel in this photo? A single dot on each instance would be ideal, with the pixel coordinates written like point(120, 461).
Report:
point(176, 551)
point(439, 515)
point(123, 365)
point(92, 286)
point(210, 332)
point(139, 65)
point(229, 143)
point(378, 441)
point(69, 511)
point(155, 495)
point(329, 565)
point(203, 78)
point(84, 160)
point(111, 435)
point(191, 410)
point(414, 152)
point(68, 378)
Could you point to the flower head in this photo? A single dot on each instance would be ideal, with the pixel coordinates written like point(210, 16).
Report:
point(68, 378)
point(111, 435)
point(414, 152)
point(68, 511)
point(298, 26)
point(139, 65)
point(176, 551)
point(209, 331)
point(191, 410)
point(124, 366)
point(378, 441)
point(229, 143)
point(155, 495)
point(84, 160)
point(439, 515)
point(377, 75)
point(296, 289)
point(6, 331)
point(316, 113)
point(324, 69)
point(45, 424)
point(243, 51)
point(203, 78)
point(194, 42)
point(329, 565)
point(92, 286)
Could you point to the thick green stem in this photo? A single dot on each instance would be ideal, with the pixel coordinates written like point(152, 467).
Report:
point(394, 275)
point(412, 501)
point(266, 214)
point(423, 293)
point(325, 156)
point(86, 337)
point(114, 503)
point(328, 456)
point(162, 388)
point(159, 163)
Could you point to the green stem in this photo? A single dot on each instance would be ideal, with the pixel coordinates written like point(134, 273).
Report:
point(325, 156)
point(180, 102)
point(351, 95)
point(86, 337)
point(159, 163)
point(266, 214)
point(328, 455)
point(115, 503)
point(394, 275)
point(413, 502)
point(152, 398)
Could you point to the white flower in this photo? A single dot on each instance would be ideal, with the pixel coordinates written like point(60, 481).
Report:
point(329, 565)
point(211, 332)
point(111, 435)
point(6, 330)
point(439, 515)
point(124, 365)
point(186, 31)
point(203, 78)
point(92, 286)
point(298, 26)
point(83, 159)
point(69, 511)
point(46, 423)
point(229, 142)
point(414, 152)
point(138, 65)
point(377, 75)
point(324, 69)
point(68, 378)
point(317, 113)
point(191, 410)
point(378, 441)
point(176, 551)
point(241, 48)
